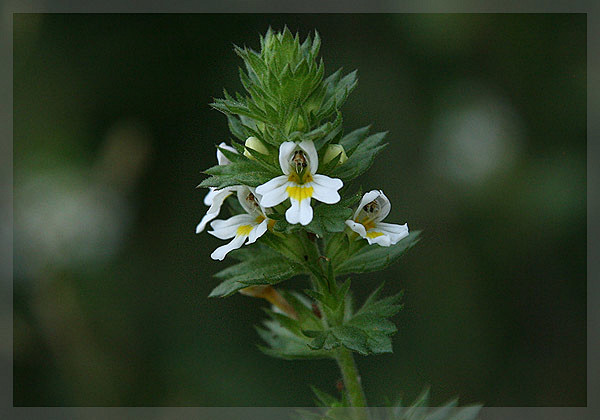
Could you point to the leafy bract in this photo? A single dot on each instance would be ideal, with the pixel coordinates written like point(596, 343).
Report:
point(284, 336)
point(368, 331)
point(245, 172)
point(374, 257)
point(329, 218)
point(361, 158)
point(287, 97)
point(265, 267)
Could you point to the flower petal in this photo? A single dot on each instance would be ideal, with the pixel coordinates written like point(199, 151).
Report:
point(366, 199)
point(285, 155)
point(382, 209)
point(273, 192)
point(313, 158)
point(300, 212)
point(208, 199)
point(218, 198)
point(395, 232)
point(357, 227)
point(258, 231)
point(248, 200)
point(378, 238)
point(225, 229)
point(325, 189)
point(222, 251)
point(306, 212)
point(292, 215)
point(384, 205)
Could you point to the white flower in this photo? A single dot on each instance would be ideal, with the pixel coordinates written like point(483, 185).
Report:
point(299, 162)
point(251, 225)
point(373, 208)
point(215, 197)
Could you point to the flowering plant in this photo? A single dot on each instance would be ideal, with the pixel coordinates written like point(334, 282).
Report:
point(287, 178)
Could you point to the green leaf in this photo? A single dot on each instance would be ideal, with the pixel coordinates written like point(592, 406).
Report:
point(266, 268)
point(361, 159)
point(352, 139)
point(289, 338)
point(236, 127)
point(374, 257)
point(329, 218)
point(242, 172)
point(282, 344)
point(368, 331)
point(352, 338)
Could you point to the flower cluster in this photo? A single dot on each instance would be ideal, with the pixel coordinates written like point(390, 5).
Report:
point(299, 184)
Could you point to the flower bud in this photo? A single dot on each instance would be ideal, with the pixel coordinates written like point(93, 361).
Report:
point(332, 151)
point(256, 145)
point(272, 296)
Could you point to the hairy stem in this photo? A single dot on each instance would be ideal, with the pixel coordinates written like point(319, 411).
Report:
point(344, 357)
point(351, 377)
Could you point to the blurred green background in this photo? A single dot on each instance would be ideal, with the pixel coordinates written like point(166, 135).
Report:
point(487, 130)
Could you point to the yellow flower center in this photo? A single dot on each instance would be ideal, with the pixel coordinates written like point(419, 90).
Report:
point(374, 234)
point(244, 230)
point(367, 223)
point(299, 193)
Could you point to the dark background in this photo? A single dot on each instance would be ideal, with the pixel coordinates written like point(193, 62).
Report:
point(487, 130)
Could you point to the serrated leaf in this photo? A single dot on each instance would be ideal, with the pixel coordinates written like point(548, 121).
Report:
point(285, 345)
point(242, 172)
point(352, 338)
point(352, 139)
point(361, 159)
point(374, 257)
point(236, 127)
point(329, 218)
point(289, 338)
point(262, 269)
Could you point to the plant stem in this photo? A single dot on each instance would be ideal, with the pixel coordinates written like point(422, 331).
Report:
point(344, 357)
point(351, 377)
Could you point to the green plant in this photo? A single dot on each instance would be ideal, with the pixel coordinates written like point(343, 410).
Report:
point(290, 167)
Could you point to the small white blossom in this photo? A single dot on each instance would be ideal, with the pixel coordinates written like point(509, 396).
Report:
point(249, 226)
point(373, 208)
point(216, 197)
point(300, 182)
